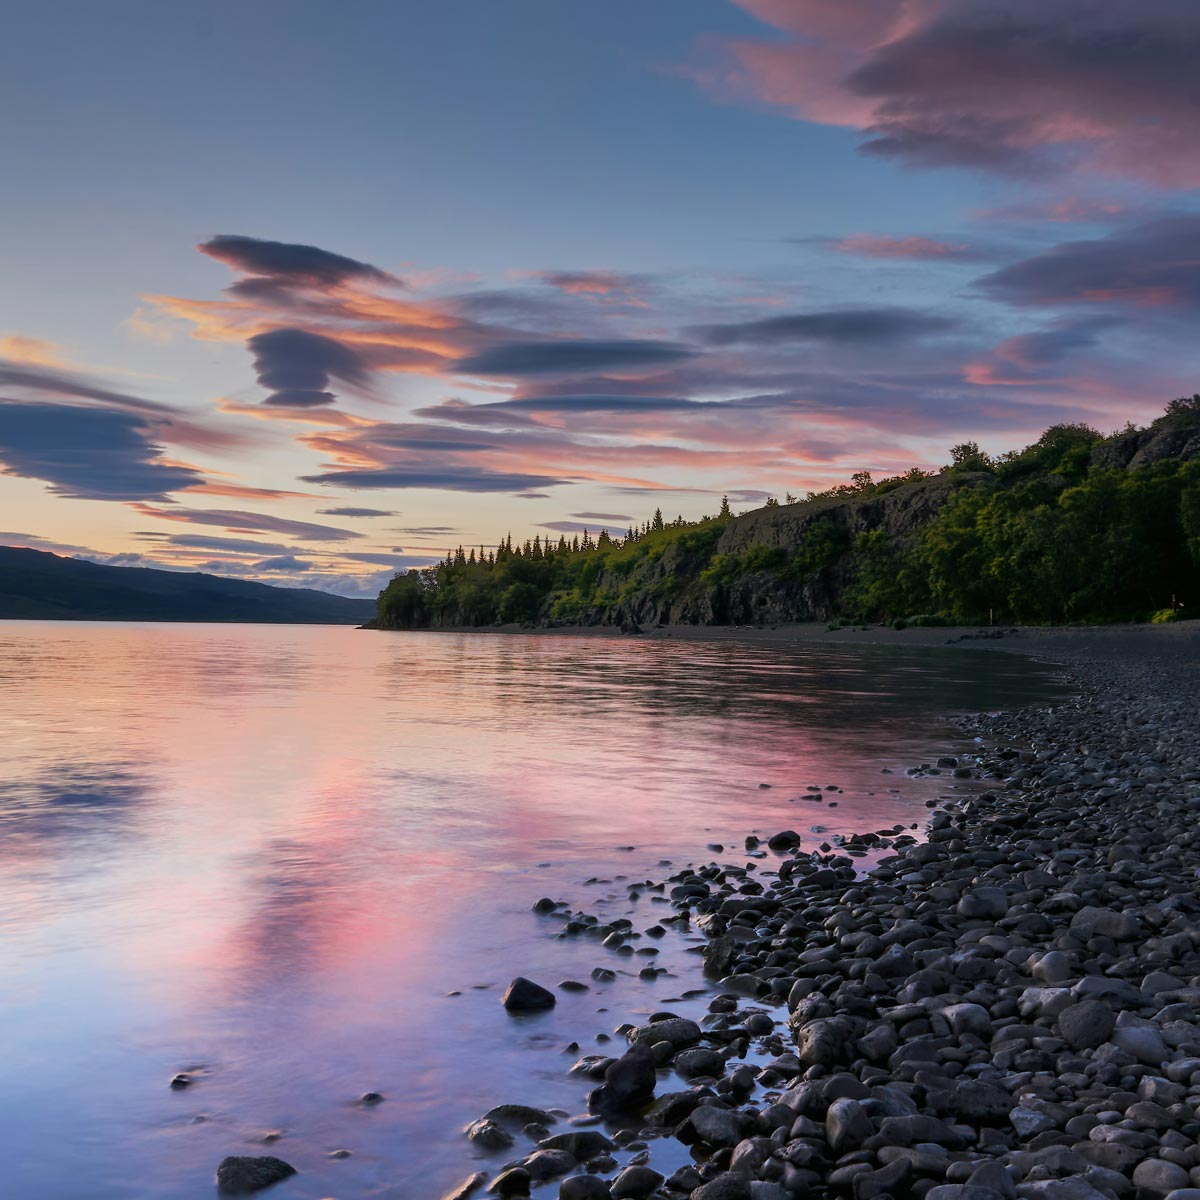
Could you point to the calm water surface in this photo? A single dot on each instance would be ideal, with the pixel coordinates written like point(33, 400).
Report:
point(273, 852)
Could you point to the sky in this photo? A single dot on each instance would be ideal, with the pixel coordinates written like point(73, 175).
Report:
point(309, 293)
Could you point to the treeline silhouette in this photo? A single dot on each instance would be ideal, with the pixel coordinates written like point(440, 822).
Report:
point(1078, 526)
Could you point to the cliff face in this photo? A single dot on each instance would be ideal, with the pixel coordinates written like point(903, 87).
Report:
point(683, 588)
point(1141, 447)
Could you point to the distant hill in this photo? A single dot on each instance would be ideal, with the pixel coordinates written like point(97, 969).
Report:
point(39, 586)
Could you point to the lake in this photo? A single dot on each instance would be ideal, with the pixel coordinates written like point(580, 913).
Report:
point(273, 854)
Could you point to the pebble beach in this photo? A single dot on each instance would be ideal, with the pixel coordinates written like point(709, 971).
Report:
point(1004, 1005)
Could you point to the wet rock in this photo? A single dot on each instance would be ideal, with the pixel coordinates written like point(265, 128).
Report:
point(628, 1083)
point(635, 1183)
point(242, 1174)
point(716, 1126)
point(548, 1164)
point(782, 842)
point(489, 1135)
point(699, 1061)
point(724, 1187)
point(847, 1126)
point(581, 1144)
point(679, 1031)
point(513, 1182)
point(523, 995)
point(821, 1042)
point(518, 1115)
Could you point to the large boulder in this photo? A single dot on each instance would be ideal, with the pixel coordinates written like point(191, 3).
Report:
point(523, 995)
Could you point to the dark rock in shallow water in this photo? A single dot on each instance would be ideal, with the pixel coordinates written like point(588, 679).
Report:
point(716, 1125)
point(581, 1144)
point(549, 1164)
point(489, 1135)
point(628, 1084)
point(678, 1031)
point(513, 1182)
point(519, 1115)
point(523, 995)
point(787, 839)
point(240, 1175)
point(635, 1183)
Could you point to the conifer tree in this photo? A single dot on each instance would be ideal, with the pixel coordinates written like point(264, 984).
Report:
point(725, 512)
point(658, 521)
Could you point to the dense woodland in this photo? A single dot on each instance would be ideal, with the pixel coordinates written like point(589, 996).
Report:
point(1061, 531)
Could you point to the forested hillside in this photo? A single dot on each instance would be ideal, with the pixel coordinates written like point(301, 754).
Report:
point(1076, 527)
point(35, 585)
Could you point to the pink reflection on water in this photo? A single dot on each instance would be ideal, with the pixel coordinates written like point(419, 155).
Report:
point(275, 851)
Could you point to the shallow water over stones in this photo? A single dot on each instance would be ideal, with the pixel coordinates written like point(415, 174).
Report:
point(262, 889)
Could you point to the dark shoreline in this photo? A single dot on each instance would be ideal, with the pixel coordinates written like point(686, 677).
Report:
point(994, 995)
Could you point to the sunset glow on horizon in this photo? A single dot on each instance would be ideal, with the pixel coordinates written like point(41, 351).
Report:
point(310, 297)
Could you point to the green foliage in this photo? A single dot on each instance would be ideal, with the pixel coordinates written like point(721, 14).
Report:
point(1041, 535)
point(886, 579)
point(1110, 547)
point(1165, 616)
point(823, 544)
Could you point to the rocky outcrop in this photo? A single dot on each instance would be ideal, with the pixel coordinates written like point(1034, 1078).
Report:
point(680, 588)
point(1141, 447)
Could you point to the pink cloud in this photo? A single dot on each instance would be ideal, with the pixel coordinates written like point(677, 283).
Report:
point(868, 245)
point(1013, 85)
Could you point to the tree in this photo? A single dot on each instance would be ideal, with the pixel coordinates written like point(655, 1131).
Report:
point(657, 523)
point(726, 512)
point(967, 456)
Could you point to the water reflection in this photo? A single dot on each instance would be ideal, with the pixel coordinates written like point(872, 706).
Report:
point(278, 851)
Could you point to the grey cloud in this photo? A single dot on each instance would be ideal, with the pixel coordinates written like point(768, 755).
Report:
point(845, 325)
point(356, 512)
point(286, 562)
point(88, 453)
point(451, 478)
point(236, 519)
point(535, 358)
point(294, 262)
point(297, 366)
point(1153, 265)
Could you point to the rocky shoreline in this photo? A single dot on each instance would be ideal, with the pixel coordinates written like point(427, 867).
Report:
point(1006, 1009)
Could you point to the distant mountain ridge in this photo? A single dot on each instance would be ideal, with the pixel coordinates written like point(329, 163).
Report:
point(36, 586)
